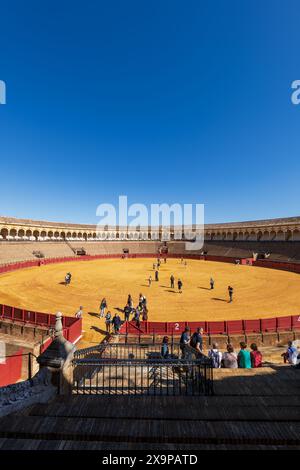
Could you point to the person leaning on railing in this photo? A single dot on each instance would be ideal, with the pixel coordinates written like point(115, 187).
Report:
point(165, 347)
point(184, 341)
point(196, 340)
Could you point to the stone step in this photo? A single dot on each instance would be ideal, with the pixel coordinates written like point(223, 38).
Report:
point(151, 431)
point(173, 408)
point(39, 444)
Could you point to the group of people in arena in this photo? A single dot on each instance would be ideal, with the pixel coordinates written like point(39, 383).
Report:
point(156, 267)
point(136, 314)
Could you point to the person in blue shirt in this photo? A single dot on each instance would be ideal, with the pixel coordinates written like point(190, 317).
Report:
point(196, 339)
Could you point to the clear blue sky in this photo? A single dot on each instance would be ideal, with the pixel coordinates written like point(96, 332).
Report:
point(165, 101)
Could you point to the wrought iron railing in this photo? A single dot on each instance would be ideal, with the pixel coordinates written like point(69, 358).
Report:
point(137, 369)
point(138, 377)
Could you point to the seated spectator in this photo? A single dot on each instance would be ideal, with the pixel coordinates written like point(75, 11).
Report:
point(244, 358)
point(165, 347)
point(229, 358)
point(215, 355)
point(256, 356)
point(291, 354)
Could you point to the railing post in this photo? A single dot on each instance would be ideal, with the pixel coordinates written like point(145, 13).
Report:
point(29, 367)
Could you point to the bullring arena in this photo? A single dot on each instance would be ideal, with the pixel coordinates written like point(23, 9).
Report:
point(260, 259)
point(259, 292)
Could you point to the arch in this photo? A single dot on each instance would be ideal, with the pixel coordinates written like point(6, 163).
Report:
point(265, 236)
point(36, 234)
point(259, 235)
point(4, 233)
point(288, 235)
point(296, 235)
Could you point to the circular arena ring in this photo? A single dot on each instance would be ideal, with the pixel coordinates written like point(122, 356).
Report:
point(265, 300)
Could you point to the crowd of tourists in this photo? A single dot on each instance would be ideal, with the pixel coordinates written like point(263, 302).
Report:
point(244, 359)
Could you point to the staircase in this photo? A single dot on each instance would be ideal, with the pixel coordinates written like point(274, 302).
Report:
point(252, 409)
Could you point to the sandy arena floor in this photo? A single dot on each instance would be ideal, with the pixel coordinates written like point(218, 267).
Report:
point(258, 292)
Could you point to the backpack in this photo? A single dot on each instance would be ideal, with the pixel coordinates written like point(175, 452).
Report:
point(257, 358)
point(215, 357)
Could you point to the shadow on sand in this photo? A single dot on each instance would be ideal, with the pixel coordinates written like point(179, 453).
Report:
point(218, 299)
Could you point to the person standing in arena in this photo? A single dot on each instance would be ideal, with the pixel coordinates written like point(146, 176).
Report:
point(179, 284)
point(108, 322)
point(103, 306)
point(68, 278)
point(127, 312)
point(129, 301)
point(230, 292)
point(212, 283)
point(141, 299)
point(150, 281)
point(156, 276)
point(172, 281)
point(79, 313)
point(116, 322)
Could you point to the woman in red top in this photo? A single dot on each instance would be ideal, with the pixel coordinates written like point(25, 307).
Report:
point(256, 356)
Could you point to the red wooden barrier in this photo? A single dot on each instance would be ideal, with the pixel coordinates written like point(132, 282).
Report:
point(252, 326)
point(269, 325)
point(216, 327)
point(284, 323)
point(235, 327)
point(296, 322)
